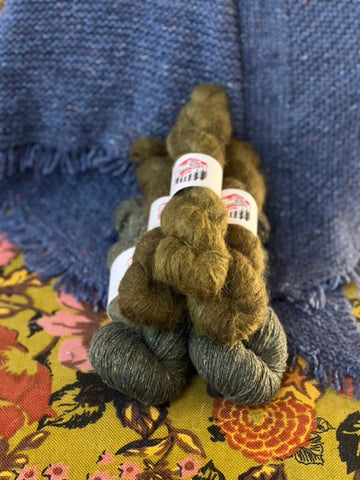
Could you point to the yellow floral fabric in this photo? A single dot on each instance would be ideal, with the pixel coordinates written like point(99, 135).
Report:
point(58, 420)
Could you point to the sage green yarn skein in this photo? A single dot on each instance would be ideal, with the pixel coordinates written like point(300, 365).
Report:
point(149, 365)
point(248, 373)
point(212, 361)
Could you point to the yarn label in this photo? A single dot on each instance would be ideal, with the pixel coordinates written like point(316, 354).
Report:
point(117, 271)
point(196, 170)
point(241, 207)
point(155, 212)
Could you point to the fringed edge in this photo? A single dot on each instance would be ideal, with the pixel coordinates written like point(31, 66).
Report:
point(308, 301)
point(314, 298)
point(44, 159)
point(42, 259)
point(327, 379)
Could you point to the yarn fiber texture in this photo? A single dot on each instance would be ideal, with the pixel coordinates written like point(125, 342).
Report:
point(130, 219)
point(248, 373)
point(153, 167)
point(193, 257)
point(65, 110)
point(251, 371)
point(149, 365)
point(238, 310)
point(141, 297)
point(152, 365)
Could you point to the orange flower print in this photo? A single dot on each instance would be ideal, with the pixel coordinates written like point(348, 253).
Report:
point(265, 434)
point(274, 431)
point(25, 386)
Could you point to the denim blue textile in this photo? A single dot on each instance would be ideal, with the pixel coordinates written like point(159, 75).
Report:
point(80, 81)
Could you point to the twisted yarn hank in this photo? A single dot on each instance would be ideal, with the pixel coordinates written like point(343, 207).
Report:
point(248, 373)
point(193, 257)
point(239, 308)
point(149, 365)
point(261, 359)
point(141, 298)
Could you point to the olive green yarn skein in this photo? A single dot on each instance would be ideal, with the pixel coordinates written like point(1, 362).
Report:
point(141, 298)
point(248, 372)
point(149, 365)
point(193, 257)
point(239, 308)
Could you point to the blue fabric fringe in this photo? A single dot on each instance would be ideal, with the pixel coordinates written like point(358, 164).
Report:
point(64, 224)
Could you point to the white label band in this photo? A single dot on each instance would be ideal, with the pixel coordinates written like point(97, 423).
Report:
point(196, 170)
point(117, 271)
point(155, 212)
point(241, 207)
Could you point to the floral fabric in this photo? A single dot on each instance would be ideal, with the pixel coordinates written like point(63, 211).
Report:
point(58, 421)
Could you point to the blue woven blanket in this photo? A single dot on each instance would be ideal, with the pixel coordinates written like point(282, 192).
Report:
point(80, 81)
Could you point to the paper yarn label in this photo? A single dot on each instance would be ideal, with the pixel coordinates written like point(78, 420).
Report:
point(241, 208)
point(117, 271)
point(196, 170)
point(155, 212)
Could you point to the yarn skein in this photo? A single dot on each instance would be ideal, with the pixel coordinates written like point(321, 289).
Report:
point(151, 366)
point(263, 360)
point(193, 257)
point(238, 310)
point(248, 373)
point(141, 298)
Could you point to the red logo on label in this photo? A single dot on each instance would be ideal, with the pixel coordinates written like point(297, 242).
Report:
point(160, 209)
point(237, 206)
point(129, 262)
point(191, 169)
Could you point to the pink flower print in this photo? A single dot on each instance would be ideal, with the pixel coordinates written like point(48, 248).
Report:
point(68, 301)
point(100, 476)
point(66, 323)
point(129, 470)
point(8, 251)
point(74, 354)
point(106, 457)
point(81, 323)
point(28, 473)
point(188, 467)
point(56, 471)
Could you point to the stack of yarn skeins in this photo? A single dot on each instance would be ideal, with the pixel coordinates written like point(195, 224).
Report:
point(193, 290)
